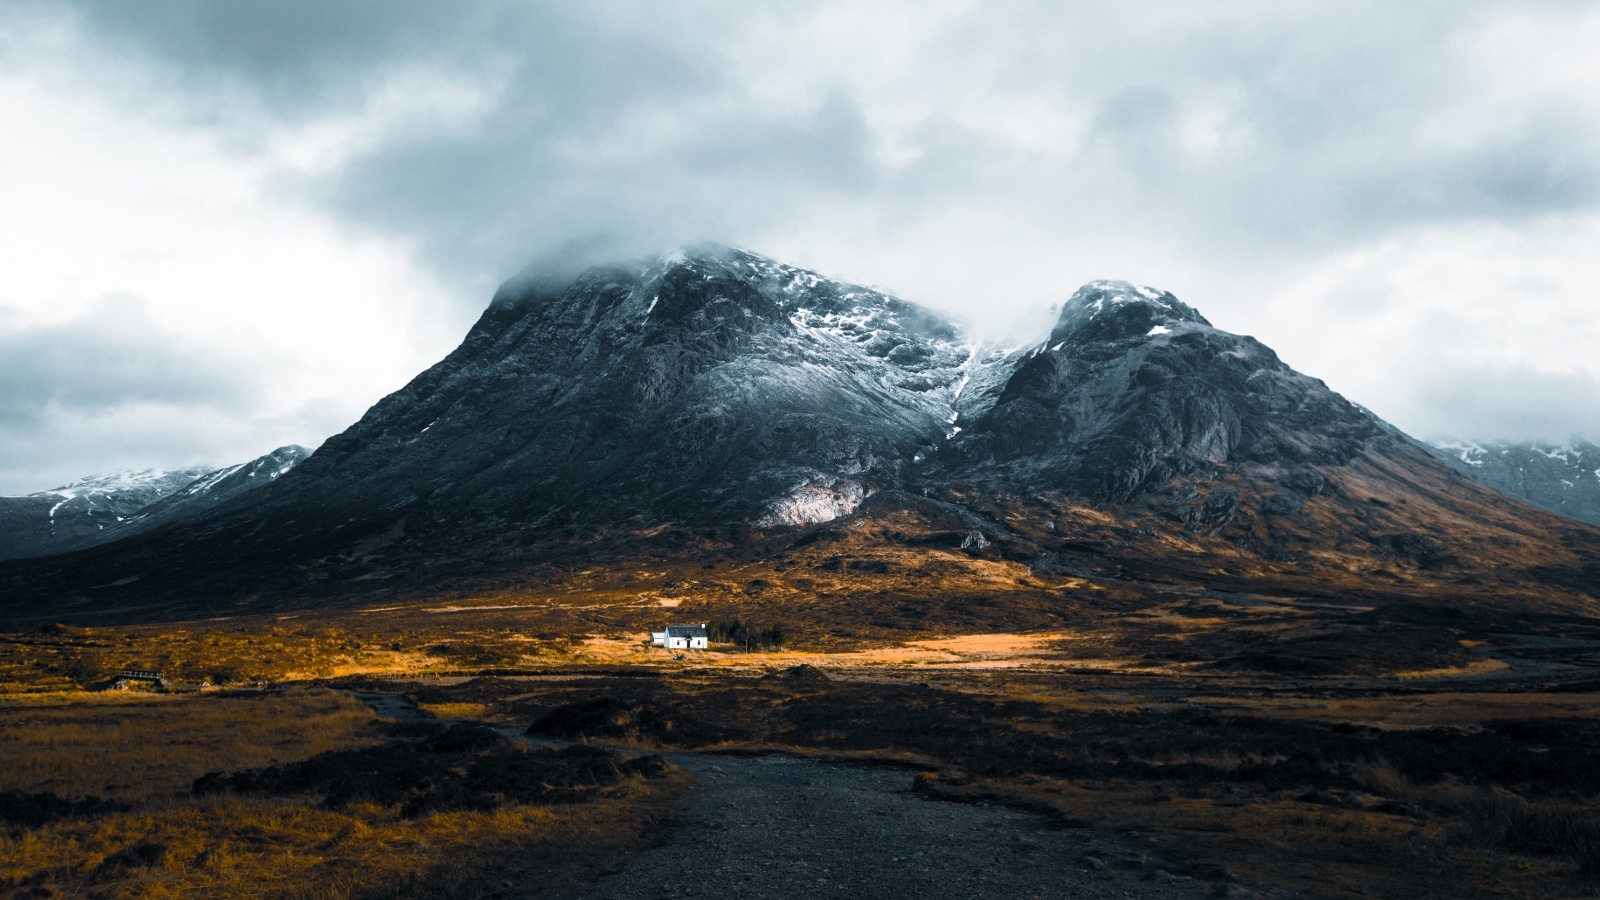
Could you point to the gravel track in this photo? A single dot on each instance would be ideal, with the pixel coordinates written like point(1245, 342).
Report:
point(791, 828)
point(781, 827)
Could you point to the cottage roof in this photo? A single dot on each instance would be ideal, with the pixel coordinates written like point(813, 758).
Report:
point(686, 631)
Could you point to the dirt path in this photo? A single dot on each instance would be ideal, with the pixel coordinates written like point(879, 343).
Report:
point(783, 827)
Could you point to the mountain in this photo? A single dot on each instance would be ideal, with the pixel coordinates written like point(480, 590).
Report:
point(1134, 387)
point(215, 488)
point(715, 417)
point(77, 514)
point(104, 508)
point(713, 387)
point(1562, 478)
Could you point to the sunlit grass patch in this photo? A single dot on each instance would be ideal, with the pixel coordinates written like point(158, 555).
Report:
point(228, 846)
point(157, 745)
point(456, 712)
point(301, 793)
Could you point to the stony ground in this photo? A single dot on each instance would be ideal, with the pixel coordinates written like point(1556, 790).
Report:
point(788, 828)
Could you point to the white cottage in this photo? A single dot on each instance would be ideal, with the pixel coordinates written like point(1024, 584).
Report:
point(681, 637)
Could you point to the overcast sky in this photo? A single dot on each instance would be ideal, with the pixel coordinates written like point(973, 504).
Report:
point(226, 226)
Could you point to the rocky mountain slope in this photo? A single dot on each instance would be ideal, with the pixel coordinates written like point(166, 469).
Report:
point(718, 386)
point(1134, 388)
point(1562, 478)
point(104, 508)
point(713, 411)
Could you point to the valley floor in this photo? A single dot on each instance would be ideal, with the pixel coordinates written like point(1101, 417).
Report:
point(478, 760)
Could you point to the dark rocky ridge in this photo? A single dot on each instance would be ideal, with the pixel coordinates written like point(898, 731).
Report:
point(1134, 388)
point(214, 489)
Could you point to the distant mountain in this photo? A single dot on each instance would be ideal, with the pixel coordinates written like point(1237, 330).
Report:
point(1563, 478)
point(211, 490)
point(715, 410)
point(77, 514)
point(103, 508)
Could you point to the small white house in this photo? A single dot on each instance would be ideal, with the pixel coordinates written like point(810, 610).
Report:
point(681, 637)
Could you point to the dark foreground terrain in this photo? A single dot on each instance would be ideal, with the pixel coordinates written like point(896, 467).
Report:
point(1016, 765)
point(778, 826)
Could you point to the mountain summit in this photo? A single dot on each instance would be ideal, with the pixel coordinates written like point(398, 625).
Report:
point(1135, 387)
point(1115, 310)
point(708, 385)
point(716, 405)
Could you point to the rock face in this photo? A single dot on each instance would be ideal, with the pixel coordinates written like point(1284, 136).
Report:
point(1561, 478)
point(104, 508)
point(711, 386)
point(1134, 387)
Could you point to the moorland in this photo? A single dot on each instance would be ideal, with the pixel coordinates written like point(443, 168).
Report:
point(1401, 750)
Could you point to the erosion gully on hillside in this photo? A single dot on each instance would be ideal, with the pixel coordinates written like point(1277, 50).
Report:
point(773, 825)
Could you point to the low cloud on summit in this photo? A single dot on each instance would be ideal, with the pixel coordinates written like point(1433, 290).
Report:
point(313, 201)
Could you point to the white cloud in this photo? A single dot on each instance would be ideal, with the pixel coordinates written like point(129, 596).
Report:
point(103, 199)
point(1473, 330)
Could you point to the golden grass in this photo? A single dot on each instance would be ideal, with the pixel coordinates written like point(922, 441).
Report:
point(225, 846)
point(146, 750)
point(455, 712)
point(1494, 819)
point(1323, 851)
point(140, 746)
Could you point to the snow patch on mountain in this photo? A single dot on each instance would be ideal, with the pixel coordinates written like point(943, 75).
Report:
point(822, 499)
point(106, 507)
point(1469, 453)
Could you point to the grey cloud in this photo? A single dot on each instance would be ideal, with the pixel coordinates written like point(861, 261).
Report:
point(1509, 403)
point(625, 120)
point(300, 54)
point(111, 384)
point(528, 183)
point(112, 356)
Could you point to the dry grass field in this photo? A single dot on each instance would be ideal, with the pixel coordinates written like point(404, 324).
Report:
point(1334, 749)
point(99, 798)
point(142, 746)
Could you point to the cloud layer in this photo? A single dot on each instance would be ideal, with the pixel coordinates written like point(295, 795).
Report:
point(1399, 199)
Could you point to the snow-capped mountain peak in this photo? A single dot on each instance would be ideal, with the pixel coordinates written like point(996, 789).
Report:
point(1115, 310)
